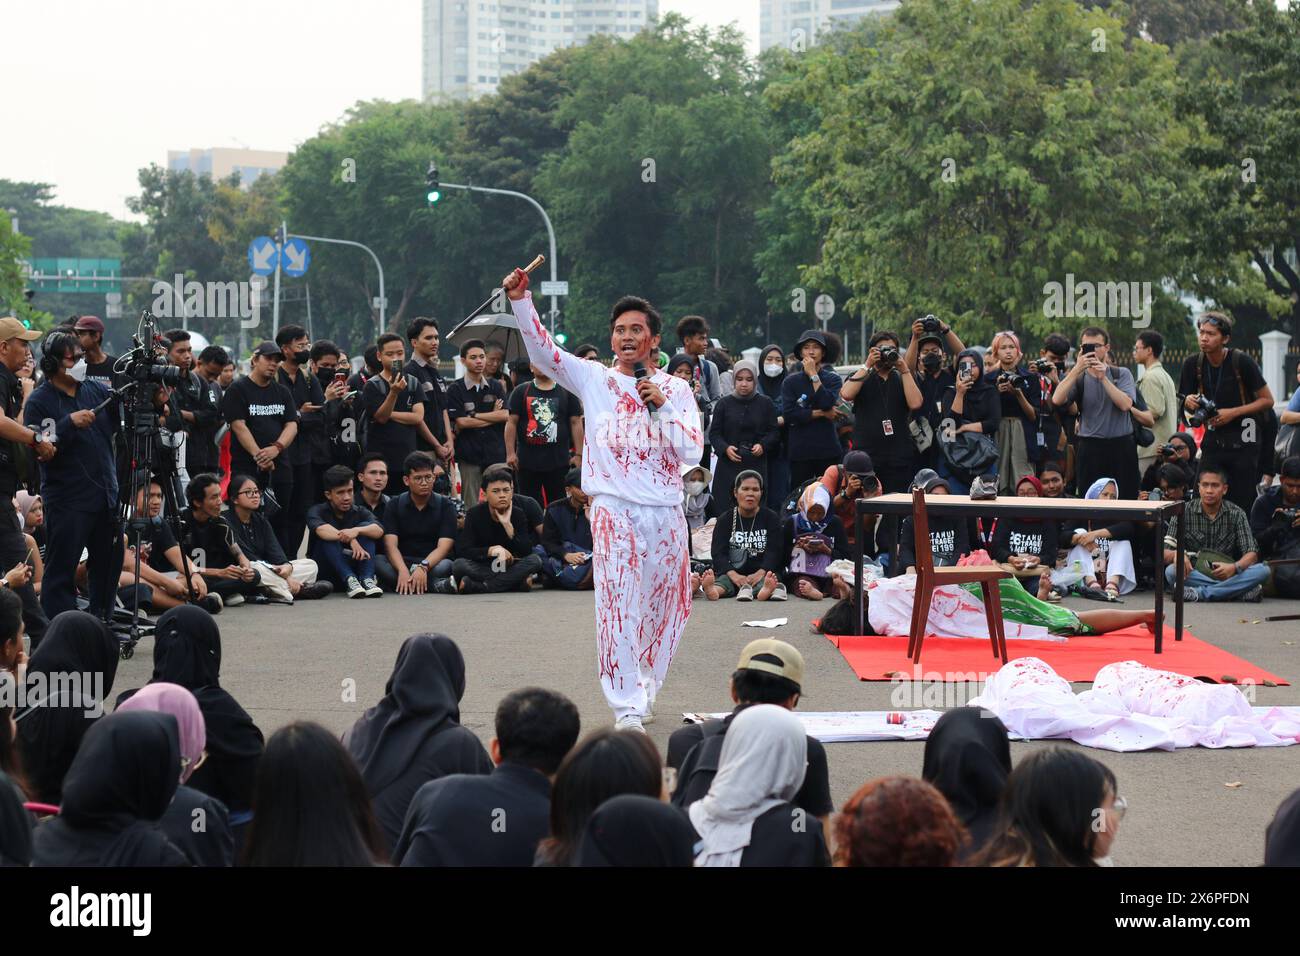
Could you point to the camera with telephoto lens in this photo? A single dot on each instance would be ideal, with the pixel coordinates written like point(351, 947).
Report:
point(1205, 411)
point(930, 324)
point(144, 364)
point(1043, 366)
point(1017, 381)
point(888, 355)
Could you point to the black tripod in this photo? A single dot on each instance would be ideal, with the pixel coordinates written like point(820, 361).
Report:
point(149, 460)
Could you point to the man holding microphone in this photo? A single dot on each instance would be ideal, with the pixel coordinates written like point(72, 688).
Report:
point(79, 483)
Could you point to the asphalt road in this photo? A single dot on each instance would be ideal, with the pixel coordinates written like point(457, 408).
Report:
point(289, 663)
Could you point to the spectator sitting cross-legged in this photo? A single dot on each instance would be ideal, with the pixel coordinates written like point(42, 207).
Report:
point(496, 545)
point(746, 551)
point(344, 537)
point(281, 579)
point(566, 547)
point(445, 824)
point(810, 541)
point(1228, 567)
point(212, 547)
point(419, 534)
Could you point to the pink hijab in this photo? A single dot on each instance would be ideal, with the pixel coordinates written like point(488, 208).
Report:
point(24, 500)
point(180, 703)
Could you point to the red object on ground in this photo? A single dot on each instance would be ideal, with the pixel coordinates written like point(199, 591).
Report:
point(1078, 660)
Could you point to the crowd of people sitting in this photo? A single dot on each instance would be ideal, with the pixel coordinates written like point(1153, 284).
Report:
point(180, 775)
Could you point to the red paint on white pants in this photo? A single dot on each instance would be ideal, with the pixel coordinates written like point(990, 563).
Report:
point(642, 576)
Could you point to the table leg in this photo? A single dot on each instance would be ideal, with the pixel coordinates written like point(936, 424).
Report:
point(857, 565)
point(1180, 556)
point(1158, 566)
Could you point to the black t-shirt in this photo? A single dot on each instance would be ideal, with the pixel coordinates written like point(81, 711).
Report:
point(157, 535)
point(209, 544)
point(418, 529)
point(102, 372)
point(1221, 385)
point(265, 409)
point(543, 435)
point(696, 768)
point(324, 513)
point(880, 417)
point(1024, 536)
point(932, 388)
point(478, 446)
point(755, 544)
point(433, 393)
point(306, 390)
point(949, 540)
point(391, 439)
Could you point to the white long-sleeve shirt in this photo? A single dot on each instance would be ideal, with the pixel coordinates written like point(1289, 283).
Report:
point(627, 451)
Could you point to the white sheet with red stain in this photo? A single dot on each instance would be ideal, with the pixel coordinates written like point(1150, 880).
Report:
point(1132, 707)
point(627, 451)
point(643, 597)
point(954, 612)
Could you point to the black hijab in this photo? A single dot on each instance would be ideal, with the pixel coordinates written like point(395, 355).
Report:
point(187, 651)
point(1282, 838)
point(422, 697)
point(968, 759)
point(771, 387)
point(119, 785)
point(15, 826)
point(636, 830)
point(981, 384)
point(76, 643)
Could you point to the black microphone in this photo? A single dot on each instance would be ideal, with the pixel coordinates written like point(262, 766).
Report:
point(642, 373)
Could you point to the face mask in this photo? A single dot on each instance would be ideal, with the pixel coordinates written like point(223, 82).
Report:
point(326, 376)
point(931, 361)
point(772, 370)
point(694, 488)
point(78, 371)
point(302, 357)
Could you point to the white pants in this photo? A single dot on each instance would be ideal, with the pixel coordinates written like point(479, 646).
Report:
point(642, 575)
point(1119, 563)
point(277, 588)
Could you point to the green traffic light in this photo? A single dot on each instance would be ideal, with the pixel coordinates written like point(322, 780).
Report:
point(561, 338)
point(433, 196)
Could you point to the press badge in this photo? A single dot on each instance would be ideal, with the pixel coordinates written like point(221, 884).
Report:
point(888, 426)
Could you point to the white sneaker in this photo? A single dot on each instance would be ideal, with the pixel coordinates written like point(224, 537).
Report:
point(233, 601)
point(649, 716)
point(355, 590)
point(372, 588)
point(629, 722)
point(746, 593)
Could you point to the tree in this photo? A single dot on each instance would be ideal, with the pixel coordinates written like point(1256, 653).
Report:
point(14, 248)
point(987, 150)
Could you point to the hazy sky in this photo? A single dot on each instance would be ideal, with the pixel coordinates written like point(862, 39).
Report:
point(96, 89)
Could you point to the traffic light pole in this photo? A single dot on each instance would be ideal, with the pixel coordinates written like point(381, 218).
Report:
point(550, 231)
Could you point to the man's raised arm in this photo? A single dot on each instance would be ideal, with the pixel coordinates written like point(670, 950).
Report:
point(571, 372)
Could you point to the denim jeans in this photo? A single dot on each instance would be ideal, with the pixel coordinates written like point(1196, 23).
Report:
point(1209, 589)
point(337, 564)
point(387, 574)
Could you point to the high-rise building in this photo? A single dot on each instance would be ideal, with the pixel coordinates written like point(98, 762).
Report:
point(470, 45)
point(795, 24)
point(219, 162)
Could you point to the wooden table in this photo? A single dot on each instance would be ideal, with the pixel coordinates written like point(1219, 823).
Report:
point(1049, 509)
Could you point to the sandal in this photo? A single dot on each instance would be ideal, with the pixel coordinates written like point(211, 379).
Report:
point(1093, 594)
point(1053, 597)
point(1112, 594)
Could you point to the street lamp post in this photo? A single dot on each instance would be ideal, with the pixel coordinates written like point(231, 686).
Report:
point(550, 231)
point(383, 298)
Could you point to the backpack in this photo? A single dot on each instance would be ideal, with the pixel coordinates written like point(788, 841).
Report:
point(703, 761)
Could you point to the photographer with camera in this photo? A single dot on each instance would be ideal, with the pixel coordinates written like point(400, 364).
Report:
point(264, 421)
point(926, 356)
point(79, 482)
point(884, 394)
point(1180, 451)
point(1020, 440)
point(198, 403)
point(1104, 395)
point(1275, 521)
point(1223, 389)
point(18, 445)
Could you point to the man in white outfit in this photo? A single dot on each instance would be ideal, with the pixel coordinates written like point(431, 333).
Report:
point(639, 434)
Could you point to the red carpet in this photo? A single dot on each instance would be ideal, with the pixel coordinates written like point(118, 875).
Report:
point(959, 659)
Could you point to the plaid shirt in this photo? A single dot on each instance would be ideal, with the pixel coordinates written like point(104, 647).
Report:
point(1229, 533)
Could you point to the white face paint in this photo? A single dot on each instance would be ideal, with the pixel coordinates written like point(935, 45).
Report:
point(78, 371)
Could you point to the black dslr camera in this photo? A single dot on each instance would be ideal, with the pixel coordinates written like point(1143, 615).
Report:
point(1205, 411)
point(1168, 451)
point(931, 324)
point(1017, 381)
point(1043, 366)
point(888, 356)
point(1286, 515)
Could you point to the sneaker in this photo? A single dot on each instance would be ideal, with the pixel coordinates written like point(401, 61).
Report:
point(233, 601)
point(779, 593)
point(316, 591)
point(629, 722)
point(472, 586)
point(746, 593)
point(372, 588)
point(445, 585)
point(983, 489)
point(649, 716)
point(211, 603)
point(1254, 595)
point(355, 590)
point(1191, 595)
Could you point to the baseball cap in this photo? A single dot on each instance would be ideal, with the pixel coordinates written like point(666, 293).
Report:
point(573, 478)
point(771, 656)
point(268, 348)
point(930, 337)
point(927, 479)
point(11, 328)
point(812, 335)
point(89, 323)
point(858, 463)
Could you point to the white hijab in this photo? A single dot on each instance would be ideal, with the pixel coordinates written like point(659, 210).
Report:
point(763, 762)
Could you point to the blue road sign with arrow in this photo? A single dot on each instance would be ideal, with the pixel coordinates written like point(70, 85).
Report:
point(295, 257)
point(262, 257)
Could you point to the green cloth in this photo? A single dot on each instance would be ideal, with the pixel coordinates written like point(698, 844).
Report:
point(1022, 607)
